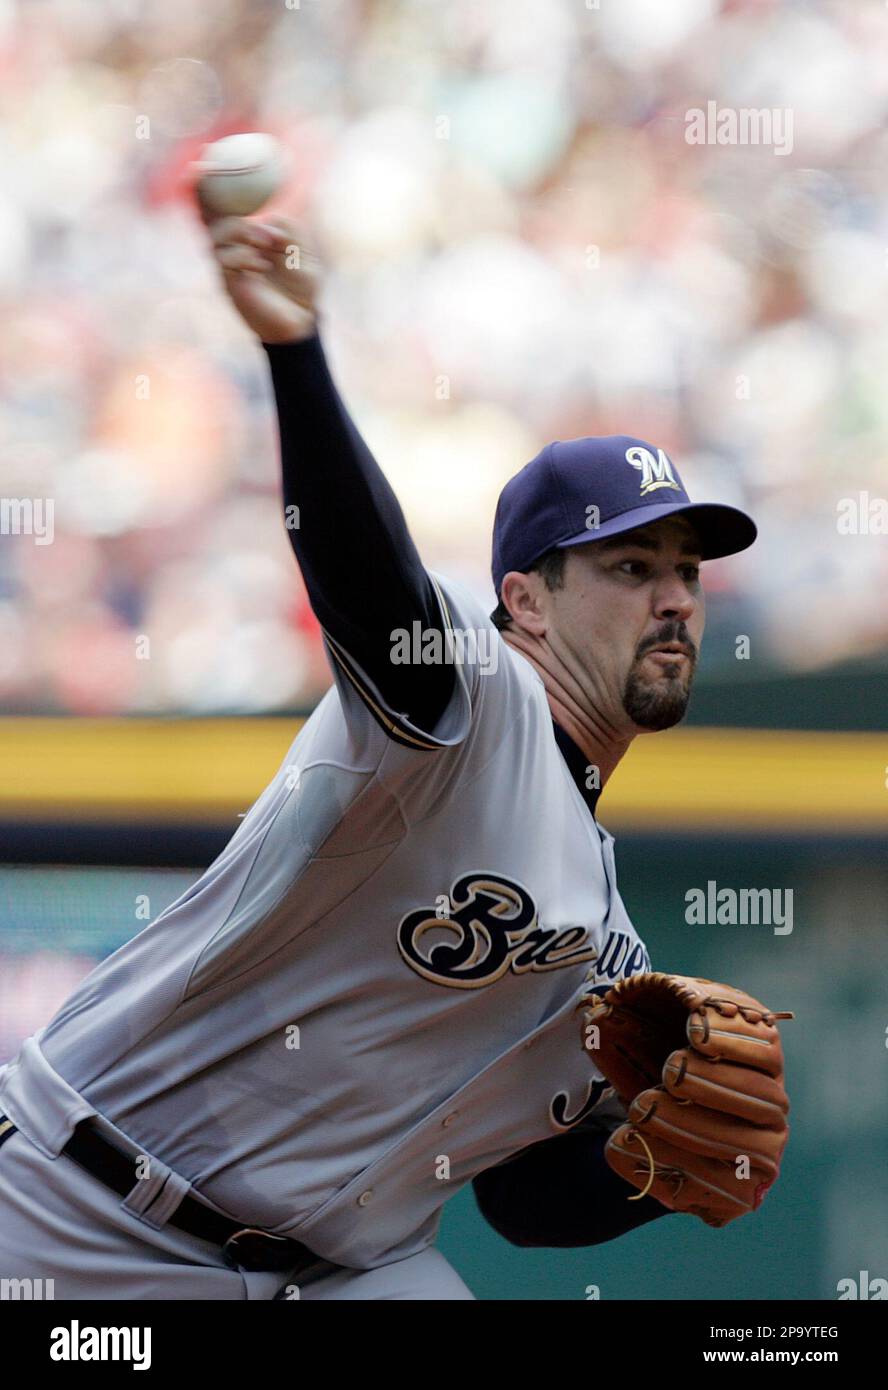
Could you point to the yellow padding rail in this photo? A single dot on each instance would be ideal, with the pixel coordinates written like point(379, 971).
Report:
point(208, 770)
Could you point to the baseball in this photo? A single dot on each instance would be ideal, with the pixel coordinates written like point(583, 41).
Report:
point(238, 174)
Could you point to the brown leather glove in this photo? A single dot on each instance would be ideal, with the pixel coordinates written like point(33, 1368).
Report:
point(699, 1067)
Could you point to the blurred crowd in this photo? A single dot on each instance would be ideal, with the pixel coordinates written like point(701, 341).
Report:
point(523, 245)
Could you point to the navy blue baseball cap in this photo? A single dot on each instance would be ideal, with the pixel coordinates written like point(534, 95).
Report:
point(581, 490)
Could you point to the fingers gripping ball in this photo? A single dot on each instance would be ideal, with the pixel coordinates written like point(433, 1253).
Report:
point(699, 1067)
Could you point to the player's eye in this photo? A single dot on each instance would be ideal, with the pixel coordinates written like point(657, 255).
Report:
point(690, 573)
point(636, 568)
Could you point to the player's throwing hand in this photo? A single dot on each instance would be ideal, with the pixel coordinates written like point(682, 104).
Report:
point(272, 277)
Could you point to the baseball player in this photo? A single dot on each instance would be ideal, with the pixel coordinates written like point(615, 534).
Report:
point(371, 997)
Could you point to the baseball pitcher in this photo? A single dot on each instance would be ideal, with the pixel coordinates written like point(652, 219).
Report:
point(410, 968)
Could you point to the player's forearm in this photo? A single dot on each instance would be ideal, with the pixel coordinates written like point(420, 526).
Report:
point(561, 1192)
point(361, 568)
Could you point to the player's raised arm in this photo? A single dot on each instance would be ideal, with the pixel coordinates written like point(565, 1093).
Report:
point(362, 571)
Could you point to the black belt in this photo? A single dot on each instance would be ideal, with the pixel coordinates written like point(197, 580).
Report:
point(241, 1245)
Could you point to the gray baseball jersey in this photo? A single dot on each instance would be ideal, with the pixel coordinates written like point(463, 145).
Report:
point(370, 996)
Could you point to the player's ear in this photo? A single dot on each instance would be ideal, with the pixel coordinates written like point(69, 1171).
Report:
point(521, 594)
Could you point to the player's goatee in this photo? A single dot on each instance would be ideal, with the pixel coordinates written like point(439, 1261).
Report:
point(657, 706)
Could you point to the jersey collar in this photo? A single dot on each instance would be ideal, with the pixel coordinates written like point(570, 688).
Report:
point(577, 764)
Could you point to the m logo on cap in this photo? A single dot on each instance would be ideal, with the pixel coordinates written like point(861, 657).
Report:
point(655, 472)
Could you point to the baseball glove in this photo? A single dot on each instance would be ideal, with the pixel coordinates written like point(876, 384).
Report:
point(699, 1067)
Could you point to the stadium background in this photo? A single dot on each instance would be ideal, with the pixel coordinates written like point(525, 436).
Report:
point(523, 246)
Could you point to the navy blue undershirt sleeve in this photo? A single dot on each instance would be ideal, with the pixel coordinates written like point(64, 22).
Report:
point(562, 1192)
point(361, 569)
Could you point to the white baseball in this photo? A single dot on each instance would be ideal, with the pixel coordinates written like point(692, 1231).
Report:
point(240, 173)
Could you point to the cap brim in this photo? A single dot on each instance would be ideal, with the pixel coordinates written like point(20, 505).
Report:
point(722, 530)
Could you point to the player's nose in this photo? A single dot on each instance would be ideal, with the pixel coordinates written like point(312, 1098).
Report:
point(673, 599)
